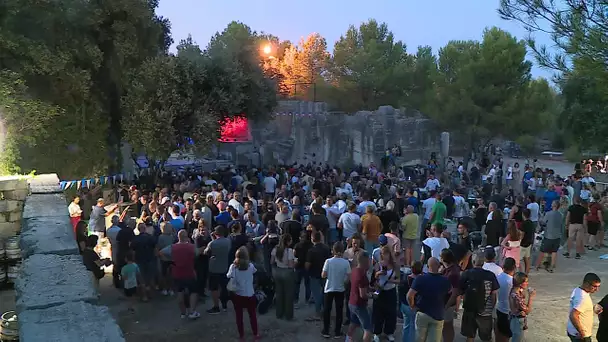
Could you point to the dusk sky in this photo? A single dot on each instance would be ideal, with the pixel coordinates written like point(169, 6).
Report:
point(431, 22)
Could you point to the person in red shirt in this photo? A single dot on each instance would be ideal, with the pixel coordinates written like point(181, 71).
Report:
point(183, 254)
point(357, 302)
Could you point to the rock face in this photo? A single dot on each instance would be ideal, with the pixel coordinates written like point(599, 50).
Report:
point(54, 289)
point(303, 132)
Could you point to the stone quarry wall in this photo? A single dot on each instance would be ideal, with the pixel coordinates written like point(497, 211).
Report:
point(56, 296)
point(301, 129)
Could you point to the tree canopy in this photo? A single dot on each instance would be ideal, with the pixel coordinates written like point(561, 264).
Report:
point(578, 30)
point(80, 79)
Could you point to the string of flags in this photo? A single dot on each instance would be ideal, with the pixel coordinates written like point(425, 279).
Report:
point(101, 180)
point(292, 114)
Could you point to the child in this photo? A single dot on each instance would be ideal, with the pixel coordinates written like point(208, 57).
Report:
point(130, 277)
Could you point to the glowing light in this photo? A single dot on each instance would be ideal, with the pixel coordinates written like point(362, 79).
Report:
point(267, 49)
point(235, 129)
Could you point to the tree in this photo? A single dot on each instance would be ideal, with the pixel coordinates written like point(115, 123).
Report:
point(484, 90)
point(370, 68)
point(585, 108)
point(303, 66)
point(241, 87)
point(23, 121)
point(192, 91)
point(83, 70)
point(578, 30)
point(166, 90)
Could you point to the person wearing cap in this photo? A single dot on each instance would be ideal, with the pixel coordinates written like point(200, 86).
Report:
point(383, 241)
point(97, 220)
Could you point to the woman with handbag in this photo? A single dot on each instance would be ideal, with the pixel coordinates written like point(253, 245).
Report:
point(384, 309)
point(240, 284)
point(283, 260)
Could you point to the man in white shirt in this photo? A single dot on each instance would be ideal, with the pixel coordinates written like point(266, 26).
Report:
point(427, 206)
point(580, 314)
point(534, 209)
point(349, 222)
point(432, 184)
point(270, 185)
point(490, 261)
point(436, 244)
point(503, 321)
point(336, 270)
point(333, 214)
point(235, 202)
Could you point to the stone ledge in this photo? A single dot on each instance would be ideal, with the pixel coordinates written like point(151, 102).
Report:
point(77, 321)
point(10, 183)
point(48, 235)
point(50, 280)
point(45, 184)
point(45, 205)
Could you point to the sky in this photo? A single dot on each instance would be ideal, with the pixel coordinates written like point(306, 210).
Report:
point(414, 22)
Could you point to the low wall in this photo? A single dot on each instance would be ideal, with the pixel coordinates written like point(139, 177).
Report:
point(14, 190)
point(56, 297)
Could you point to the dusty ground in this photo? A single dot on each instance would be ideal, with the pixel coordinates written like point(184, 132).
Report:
point(159, 320)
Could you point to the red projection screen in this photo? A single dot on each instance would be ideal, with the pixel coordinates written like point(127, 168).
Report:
point(234, 130)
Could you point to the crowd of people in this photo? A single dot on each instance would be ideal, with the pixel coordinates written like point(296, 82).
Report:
point(253, 237)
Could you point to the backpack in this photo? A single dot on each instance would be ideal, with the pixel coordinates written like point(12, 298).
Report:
point(475, 295)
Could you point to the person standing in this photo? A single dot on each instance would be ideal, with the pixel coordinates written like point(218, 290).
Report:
point(97, 220)
point(427, 297)
point(183, 254)
point(580, 314)
point(409, 224)
point(75, 212)
point(576, 222)
point(357, 303)
point(335, 270)
point(520, 307)
point(315, 259)
point(528, 229)
point(283, 260)
point(241, 273)
point(479, 288)
point(502, 328)
point(371, 228)
point(552, 238)
point(218, 251)
point(409, 315)
point(349, 222)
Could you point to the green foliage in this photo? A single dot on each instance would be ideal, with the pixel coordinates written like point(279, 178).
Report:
point(578, 30)
point(239, 85)
point(77, 56)
point(369, 68)
point(484, 90)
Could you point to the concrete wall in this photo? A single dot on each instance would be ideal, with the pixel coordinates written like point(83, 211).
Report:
point(56, 296)
point(301, 129)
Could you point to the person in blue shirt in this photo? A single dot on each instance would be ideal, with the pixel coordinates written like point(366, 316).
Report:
point(550, 196)
point(224, 216)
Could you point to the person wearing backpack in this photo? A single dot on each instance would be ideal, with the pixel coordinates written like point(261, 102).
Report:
point(479, 289)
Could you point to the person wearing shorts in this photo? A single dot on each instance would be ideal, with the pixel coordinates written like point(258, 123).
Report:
point(473, 324)
point(576, 220)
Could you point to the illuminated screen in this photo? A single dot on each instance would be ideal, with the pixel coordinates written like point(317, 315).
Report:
point(234, 130)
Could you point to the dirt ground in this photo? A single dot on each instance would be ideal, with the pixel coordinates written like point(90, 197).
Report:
point(159, 321)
